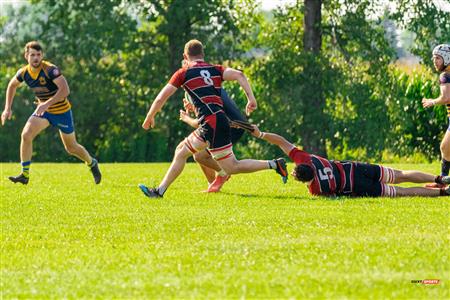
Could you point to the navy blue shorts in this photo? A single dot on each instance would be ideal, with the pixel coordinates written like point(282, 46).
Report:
point(63, 122)
point(233, 113)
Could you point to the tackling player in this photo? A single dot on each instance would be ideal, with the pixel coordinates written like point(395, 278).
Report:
point(53, 108)
point(203, 83)
point(441, 61)
point(348, 178)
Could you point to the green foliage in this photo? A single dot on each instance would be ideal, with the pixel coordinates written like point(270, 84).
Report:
point(64, 237)
point(118, 54)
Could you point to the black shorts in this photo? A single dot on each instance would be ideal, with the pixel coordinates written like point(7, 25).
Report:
point(367, 180)
point(215, 130)
point(233, 113)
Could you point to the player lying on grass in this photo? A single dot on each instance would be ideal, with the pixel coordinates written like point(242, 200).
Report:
point(441, 61)
point(214, 174)
point(203, 83)
point(53, 108)
point(348, 178)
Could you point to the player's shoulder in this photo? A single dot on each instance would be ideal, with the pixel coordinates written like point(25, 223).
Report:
point(22, 70)
point(298, 154)
point(51, 70)
point(444, 78)
point(20, 74)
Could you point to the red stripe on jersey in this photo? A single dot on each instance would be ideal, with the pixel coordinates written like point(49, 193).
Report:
point(212, 100)
point(199, 82)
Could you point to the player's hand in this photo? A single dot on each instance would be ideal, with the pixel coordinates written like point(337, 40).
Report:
point(251, 106)
point(41, 109)
point(149, 122)
point(184, 116)
point(256, 132)
point(188, 107)
point(6, 115)
point(427, 103)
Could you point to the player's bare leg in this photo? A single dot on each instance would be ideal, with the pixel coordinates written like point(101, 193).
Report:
point(210, 167)
point(73, 148)
point(182, 153)
point(445, 152)
point(32, 128)
point(233, 166)
point(209, 173)
point(208, 164)
point(421, 191)
point(413, 176)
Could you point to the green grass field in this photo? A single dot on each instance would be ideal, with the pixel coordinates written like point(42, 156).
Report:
point(62, 236)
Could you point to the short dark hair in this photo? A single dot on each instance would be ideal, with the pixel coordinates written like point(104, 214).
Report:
point(304, 172)
point(33, 45)
point(194, 48)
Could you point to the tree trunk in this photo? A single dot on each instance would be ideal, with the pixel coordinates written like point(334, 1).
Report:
point(315, 121)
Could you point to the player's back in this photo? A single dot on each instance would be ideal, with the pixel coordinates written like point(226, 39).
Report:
point(203, 82)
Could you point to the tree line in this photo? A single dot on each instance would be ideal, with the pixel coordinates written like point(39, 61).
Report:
point(323, 73)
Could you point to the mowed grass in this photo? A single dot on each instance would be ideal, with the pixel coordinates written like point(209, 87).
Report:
point(62, 236)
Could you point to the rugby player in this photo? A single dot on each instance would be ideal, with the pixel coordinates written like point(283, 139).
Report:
point(203, 83)
point(348, 178)
point(441, 61)
point(53, 108)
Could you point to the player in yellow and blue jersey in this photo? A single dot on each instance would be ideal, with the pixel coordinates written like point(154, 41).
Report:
point(53, 108)
point(441, 61)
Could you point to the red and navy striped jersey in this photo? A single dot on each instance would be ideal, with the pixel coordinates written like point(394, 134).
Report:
point(330, 178)
point(203, 83)
point(41, 82)
point(444, 78)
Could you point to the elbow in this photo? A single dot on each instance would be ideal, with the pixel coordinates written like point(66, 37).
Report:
point(67, 93)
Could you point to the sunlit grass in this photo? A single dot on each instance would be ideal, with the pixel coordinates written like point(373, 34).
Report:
point(62, 236)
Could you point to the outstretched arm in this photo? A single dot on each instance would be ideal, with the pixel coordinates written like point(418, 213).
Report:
point(444, 98)
point(232, 74)
point(10, 92)
point(160, 100)
point(274, 139)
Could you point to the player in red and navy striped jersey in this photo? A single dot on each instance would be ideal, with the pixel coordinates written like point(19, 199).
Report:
point(347, 178)
point(203, 82)
point(441, 61)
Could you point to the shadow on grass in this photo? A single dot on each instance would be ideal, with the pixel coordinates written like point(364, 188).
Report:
point(284, 197)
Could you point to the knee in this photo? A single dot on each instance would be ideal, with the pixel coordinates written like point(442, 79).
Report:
point(182, 151)
point(27, 135)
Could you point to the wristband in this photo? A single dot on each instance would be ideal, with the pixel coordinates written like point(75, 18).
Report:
point(261, 135)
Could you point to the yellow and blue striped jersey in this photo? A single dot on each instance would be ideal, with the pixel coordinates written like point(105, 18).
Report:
point(41, 82)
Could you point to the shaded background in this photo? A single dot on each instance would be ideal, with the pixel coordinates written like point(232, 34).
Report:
point(342, 78)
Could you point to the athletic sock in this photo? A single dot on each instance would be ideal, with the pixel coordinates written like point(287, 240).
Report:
point(222, 173)
point(438, 179)
point(26, 168)
point(161, 190)
point(445, 167)
point(444, 192)
point(272, 164)
point(93, 162)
